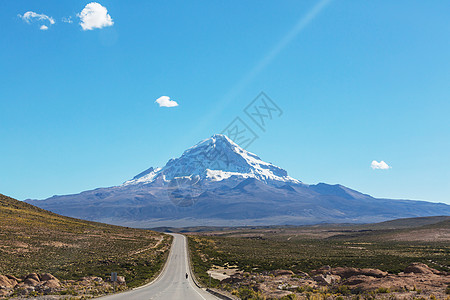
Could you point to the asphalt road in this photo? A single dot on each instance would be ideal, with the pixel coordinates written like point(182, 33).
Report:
point(172, 283)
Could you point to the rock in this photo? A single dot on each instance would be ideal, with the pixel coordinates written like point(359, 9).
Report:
point(327, 279)
point(13, 278)
point(392, 282)
point(349, 272)
point(120, 280)
point(30, 289)
point(31, 282)
point(4, 292)
point(47, 276)
point(234, 278)
point(302, 274)
point(92, 278)
point(33, 276)
point(26, 289)
point(20, 285)
point(52, 283)
point(358, 279)
point(322, 270)
point(7, 282)
point(373, 272)
point(282, 272)
point(420, 268)
point(345, 272)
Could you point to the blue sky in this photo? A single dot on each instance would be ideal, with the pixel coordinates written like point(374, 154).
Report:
point(357, 81)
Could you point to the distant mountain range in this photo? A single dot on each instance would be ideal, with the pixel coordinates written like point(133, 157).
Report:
point(216, 182)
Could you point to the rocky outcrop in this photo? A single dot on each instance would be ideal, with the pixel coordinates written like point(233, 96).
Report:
point(346, 272)
point(237, 277)
point(47, 277)
point(420, 268)
point(7, 282)
point(31, 280)
point(416, 276)
point(121, 280)
point(417, 280)
point(282, 273)
point(47, 284)
point(327, 279)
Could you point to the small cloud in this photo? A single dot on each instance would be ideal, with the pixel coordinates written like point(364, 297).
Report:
point(31, 16)
point(67, 20)
point(165, 101)
point(379, 165)
point(94, 15)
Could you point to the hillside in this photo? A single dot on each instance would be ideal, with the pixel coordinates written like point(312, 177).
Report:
point(410, 222)
point(33, 240)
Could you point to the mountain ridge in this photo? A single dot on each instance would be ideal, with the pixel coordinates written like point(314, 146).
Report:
point(215, 159)
point(216, 182)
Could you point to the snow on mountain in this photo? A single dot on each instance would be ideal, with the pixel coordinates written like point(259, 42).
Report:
point(218, 183)
point(216, 159)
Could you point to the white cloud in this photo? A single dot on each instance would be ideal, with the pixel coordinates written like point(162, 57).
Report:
point(67, 19)
point(31, 16)
point(379, 165)
point(43, 27)
point(94, 15)
point(165, 101)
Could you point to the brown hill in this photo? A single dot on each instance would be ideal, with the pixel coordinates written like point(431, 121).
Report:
point(36, 240)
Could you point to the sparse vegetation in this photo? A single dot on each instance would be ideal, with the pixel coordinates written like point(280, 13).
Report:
point(259, 251)
point(35, 240)
point(272, 253)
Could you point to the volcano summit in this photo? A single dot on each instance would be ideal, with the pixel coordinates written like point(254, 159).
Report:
point(216, 182)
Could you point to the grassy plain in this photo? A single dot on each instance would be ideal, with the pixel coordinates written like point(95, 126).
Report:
point(388, 246)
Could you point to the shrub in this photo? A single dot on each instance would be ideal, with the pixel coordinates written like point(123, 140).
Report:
point(382, 290)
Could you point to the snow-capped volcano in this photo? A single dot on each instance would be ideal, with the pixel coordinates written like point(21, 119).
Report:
point(216, 159)
point(218, 183)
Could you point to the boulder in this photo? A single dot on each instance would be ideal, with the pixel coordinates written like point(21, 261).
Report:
point(327, 279)
point(234, 278)
point(349, 272)
point(13, 278)
point(91, 278)
point(47, 276)
point(393, 283)
point(282, 272)
point(4, 292)
point(358, 279)
point(33, 276)
point(302, 274)
point(7, 282)
point(373, 272)
point(120, 280)
point(322, 270)
point(52, 283)
point(345, 272)
point(31, 282)
point(420, 268)
point(24, 289)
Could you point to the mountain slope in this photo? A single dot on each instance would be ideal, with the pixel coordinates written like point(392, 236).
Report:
point(215, 159)
point(216, 182)
point(36, 240)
